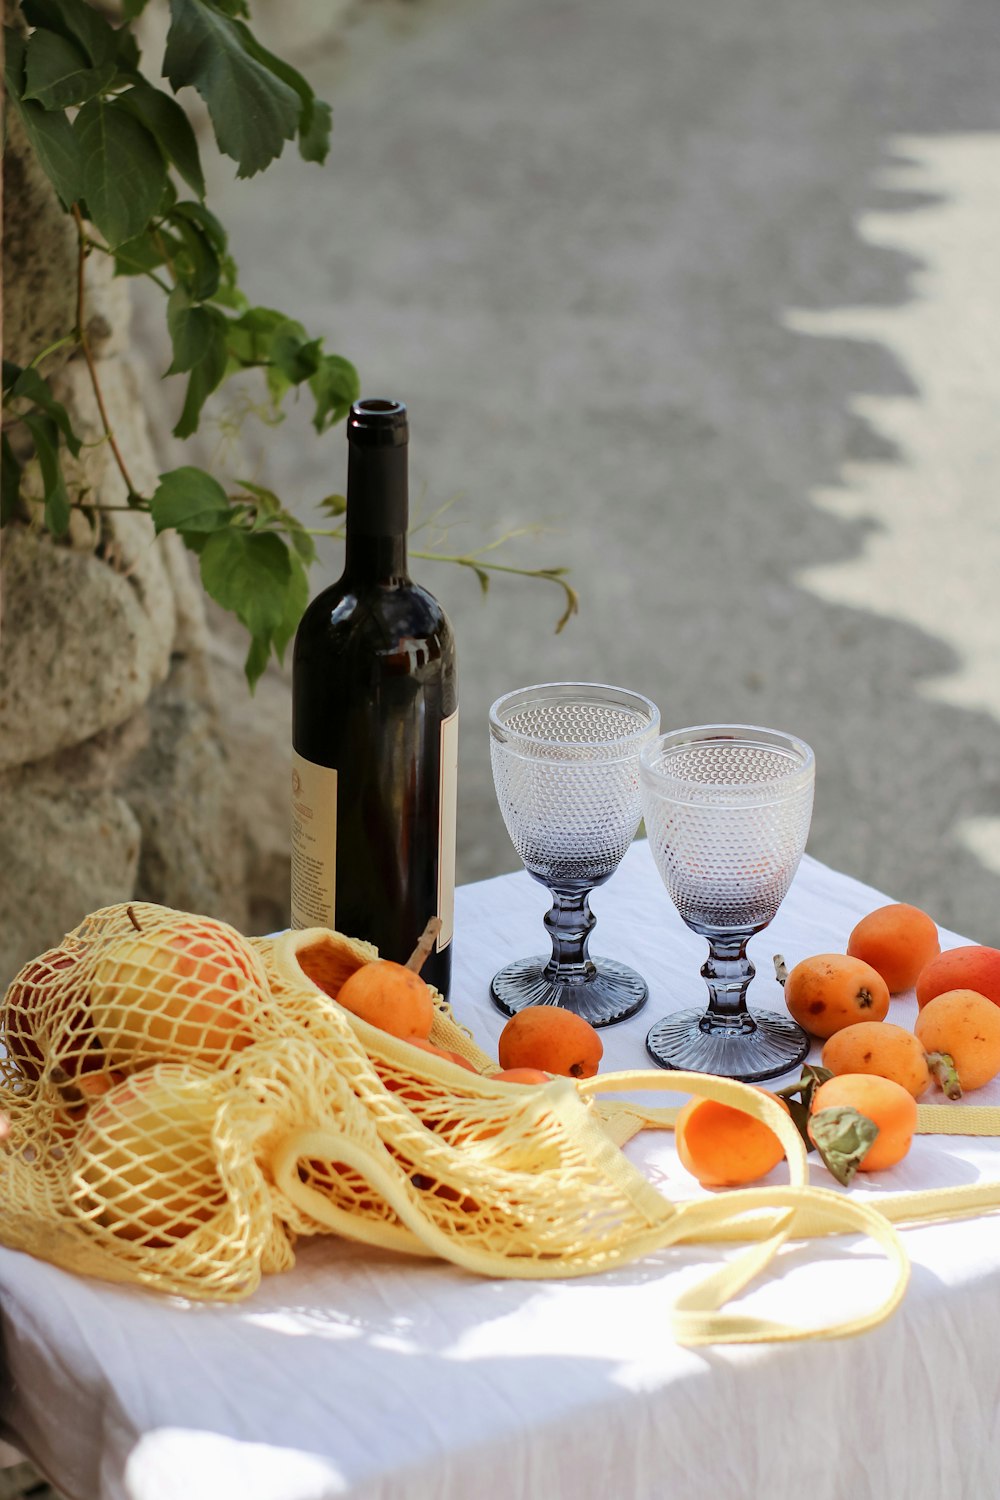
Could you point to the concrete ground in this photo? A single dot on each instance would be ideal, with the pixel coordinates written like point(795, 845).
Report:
point(710, 292)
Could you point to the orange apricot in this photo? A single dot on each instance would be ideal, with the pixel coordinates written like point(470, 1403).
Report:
point(551, 1039)
point(968, 968)
point(389, 996)
point(897, 940)
point(521, 1075)
point(883, 1049)
point(829, 991)
point(445, 1052)
point(891, 1108)
point(966, 1026)
point(723, 1146)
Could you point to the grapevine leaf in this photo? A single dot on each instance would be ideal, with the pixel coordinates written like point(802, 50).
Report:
point(123, 172)
point(189, 500)
point(334, 505)
point(315, 117)
point(10, 481)
point(315, 126)
point(271, 512)
point(248, 573)
point(335, 386)
point(77, 22)
point(484, 578)
point(206, 222)
point(142, 254)
point(53, 142)
point(197, 264)
point(30, 386)
point(300, 539)
point(295, 357)
point(46, 437)
point(268, 504)
point(252, 336)
point(253, 110)
point(296, 599)
point(169, 126)
point(58, 72)
point(257, 658)
point(15, 44)
point(205, 375)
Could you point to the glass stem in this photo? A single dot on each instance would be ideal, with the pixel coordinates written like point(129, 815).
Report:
point(727, 971)
point(569, 924)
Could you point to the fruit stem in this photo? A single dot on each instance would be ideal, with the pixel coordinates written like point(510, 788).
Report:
point(945, 1074)
point(425, 943)
point(780, 969)
point(133, 918)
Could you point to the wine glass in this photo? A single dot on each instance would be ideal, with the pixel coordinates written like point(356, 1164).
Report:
point(565, 759)
point(727, 810)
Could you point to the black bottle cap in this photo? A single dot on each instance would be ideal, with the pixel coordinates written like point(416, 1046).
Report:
point(375, 423)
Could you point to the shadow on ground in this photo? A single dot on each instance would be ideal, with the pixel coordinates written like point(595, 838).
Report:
point(569, 236)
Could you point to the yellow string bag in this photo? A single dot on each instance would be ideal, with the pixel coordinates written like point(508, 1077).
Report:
point(184, 1102)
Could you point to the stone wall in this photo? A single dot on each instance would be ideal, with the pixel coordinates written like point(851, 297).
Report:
point(115, 779)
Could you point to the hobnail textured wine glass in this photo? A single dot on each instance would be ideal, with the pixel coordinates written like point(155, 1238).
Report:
point(727, 811)
point(565, 759)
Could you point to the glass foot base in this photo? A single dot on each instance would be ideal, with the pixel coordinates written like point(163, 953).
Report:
point(771, 1044)
point(614, 993)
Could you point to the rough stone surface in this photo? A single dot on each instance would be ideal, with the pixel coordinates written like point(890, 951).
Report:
point(257, 733)
point(65, 853)
point(185, 792)
point(39, 254)
point(81, 652)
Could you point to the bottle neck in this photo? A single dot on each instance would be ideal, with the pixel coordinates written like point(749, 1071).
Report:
point(377, 514)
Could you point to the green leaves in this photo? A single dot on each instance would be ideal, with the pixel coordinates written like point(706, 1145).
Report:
point(251, 554)
point(843, 1139)
point(189, 500)
point(46, 438)
point(124, 173)
point(169, 126)
point(253, 111)
point(58, 72)
point(256, 101)
point(47, 420)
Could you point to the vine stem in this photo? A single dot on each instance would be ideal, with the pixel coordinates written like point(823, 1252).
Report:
point(479, 566)
point(81, 329)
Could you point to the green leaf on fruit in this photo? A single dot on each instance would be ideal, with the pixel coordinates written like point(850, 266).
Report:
point(843, 1138)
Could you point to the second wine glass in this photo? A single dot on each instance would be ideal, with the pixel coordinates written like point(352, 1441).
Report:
point(727, 811)
point(565, 760)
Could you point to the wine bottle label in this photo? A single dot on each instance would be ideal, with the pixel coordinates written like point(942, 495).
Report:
point(447, 827)
point(314, 844)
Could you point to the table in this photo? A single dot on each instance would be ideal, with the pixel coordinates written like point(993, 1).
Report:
point(363, 1374)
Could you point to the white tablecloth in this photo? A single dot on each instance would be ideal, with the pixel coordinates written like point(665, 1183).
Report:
point(369, 1375)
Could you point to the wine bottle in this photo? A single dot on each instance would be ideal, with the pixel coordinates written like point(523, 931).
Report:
point(375, 724)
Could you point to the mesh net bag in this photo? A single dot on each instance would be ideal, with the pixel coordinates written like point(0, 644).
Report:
point(185, 1102)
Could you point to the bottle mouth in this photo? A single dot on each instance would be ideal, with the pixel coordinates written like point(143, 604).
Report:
point(376, 422)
